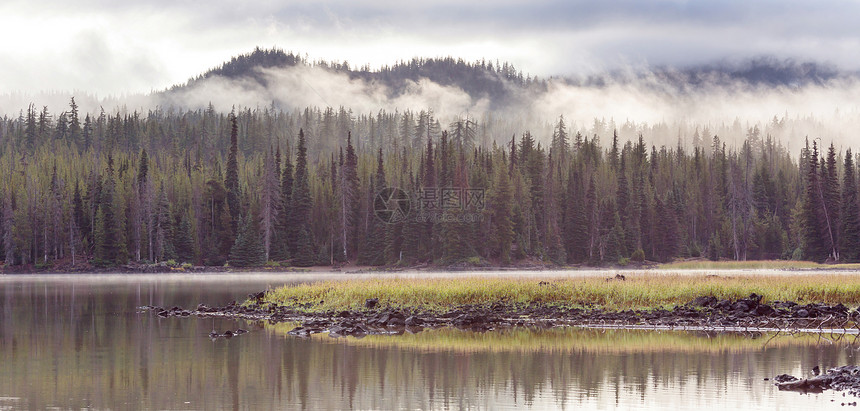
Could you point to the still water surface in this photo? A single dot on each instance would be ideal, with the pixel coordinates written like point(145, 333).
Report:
point(71, 342)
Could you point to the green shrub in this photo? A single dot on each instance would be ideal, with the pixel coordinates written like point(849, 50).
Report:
point(638, 255)
point(695, 251)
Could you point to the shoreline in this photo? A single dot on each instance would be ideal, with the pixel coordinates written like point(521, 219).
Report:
point(691, 265)
point(705, 313)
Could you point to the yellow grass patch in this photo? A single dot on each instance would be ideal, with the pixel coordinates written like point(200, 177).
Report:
point(639, 291)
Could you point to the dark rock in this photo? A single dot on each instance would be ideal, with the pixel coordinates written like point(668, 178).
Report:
point(370, 303)
point(741, 306)
point(816, 370)
point(240, 331)
point(412, 321)
point(344, 314)
point(764, 310)
point(471, 320)
point(316, 323)
point(801, 313)
point(704, 301)
point(395, 321)
point(784, 378)
point(784, 304)
point(451, 314)
point(814, 385)
point(303, 331)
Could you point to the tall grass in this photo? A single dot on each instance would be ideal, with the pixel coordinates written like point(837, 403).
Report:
point(639, 291)
point(754, 265)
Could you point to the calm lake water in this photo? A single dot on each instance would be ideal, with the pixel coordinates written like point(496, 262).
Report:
point(78, 342)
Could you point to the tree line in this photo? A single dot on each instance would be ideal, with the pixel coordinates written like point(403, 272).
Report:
point(256, 187)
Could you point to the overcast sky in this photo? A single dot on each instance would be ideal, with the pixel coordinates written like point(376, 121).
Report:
point(113, 47)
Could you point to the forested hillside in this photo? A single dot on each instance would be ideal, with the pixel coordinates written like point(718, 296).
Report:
point(300, 187)
point(497, 82)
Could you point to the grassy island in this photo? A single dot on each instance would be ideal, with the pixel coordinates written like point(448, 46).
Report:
point(633, 291)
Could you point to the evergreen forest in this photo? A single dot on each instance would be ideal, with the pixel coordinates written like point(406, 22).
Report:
point(300, 188)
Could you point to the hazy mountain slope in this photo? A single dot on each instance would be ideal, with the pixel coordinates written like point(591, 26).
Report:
point(500, 82)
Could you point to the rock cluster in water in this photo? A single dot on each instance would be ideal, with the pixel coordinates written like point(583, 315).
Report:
point(703, 312)
point(845, 378)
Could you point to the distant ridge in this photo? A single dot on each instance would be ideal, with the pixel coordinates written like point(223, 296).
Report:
point(480, 79)
point(501, 83)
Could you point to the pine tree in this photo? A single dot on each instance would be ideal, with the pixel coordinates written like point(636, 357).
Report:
point(500, 212)
point(304, 249)
point(301, 206)
point(373, 249)
point(108, 244)
point(575, 221)
point(849, 236)
point(163, 226)
point(815, 236)
point(412, 228)
point(218, 236)
point(74, 123)
point(350, 203)
point(30, 132)
point(560, 144)
point(183, 241)
point(375, 244)
point(666, 243)
point(231, 181)
point(830, 193)
point(78, 212)
point(248, 250)
point(8, 216)
point(269, 197)
point(287, 233)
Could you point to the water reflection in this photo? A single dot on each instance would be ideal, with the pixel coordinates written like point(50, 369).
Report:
point(81, 344)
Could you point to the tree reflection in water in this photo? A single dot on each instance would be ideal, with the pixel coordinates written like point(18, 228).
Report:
point(82, 344)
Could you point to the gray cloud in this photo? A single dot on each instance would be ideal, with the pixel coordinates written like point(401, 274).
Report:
point(113, 47)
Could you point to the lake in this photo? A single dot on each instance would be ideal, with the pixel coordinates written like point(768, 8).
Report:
point(79, 342)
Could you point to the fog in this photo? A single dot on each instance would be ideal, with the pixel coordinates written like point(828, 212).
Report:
point(663, 111)
point(312, 86)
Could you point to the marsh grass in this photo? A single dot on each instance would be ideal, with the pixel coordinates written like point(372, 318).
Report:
point(754, 265)
point(571, 340)
point(638, 291)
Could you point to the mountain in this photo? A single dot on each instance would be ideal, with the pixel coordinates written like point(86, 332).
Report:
point(501, 84)
point(479, 80)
